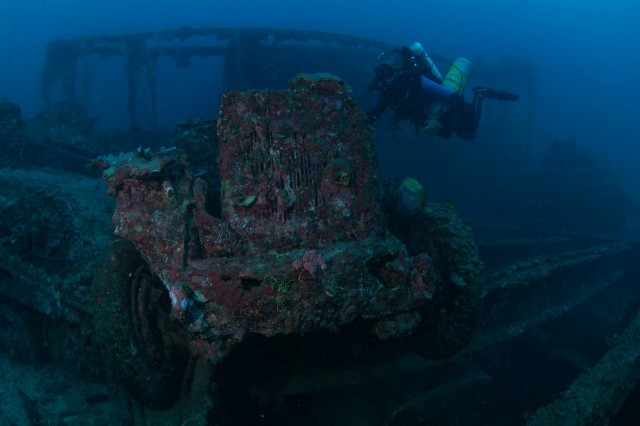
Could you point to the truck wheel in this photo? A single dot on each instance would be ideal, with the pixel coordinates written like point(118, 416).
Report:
point(143, 348)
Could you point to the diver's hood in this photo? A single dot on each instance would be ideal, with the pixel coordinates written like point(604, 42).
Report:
point(389, 63)
point(394, 58)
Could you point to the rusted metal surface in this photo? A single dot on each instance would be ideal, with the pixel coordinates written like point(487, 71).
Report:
point(300, 243)
point(530, 292)
point(595, 396)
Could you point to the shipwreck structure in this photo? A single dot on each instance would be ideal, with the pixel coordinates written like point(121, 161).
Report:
point(252, 58)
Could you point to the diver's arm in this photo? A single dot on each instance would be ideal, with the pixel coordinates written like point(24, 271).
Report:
point(380, 103)
point(434, 92)
point(437, 100)
point(429, 69)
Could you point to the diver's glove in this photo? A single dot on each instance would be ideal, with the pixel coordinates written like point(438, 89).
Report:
point(432, 127)
point(372, 117)
point(376, 84)
point(497, 95)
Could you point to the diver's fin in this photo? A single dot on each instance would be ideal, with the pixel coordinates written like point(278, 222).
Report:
point(498, 95)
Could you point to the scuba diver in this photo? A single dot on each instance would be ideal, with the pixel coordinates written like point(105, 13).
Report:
point(408, 82)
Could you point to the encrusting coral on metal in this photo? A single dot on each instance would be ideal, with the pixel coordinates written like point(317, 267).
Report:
point(299, 243)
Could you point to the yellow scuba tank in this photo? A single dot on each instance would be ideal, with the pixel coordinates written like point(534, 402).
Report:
point(458, 75)
point(457, 79)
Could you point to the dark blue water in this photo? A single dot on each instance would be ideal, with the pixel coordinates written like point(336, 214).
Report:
point(586, 96)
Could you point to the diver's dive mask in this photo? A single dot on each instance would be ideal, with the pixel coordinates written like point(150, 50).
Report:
point(390, 65)
point(384, 72)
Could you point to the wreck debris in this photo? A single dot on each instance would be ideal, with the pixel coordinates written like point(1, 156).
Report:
point(51, 234)
point(404, 197)
point(53, 226)
point(62, 137)
point(421, 380)
point(12, 134)
point(300, 243)
point(531, 292)
point(595, 396)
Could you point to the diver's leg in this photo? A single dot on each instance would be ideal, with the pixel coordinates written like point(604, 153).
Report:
point(498, 95)
point(479, 94)
point(380, 103)
point(475, 112)
point(463, 117)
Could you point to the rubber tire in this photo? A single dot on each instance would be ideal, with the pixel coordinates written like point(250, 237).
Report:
point(143, 349)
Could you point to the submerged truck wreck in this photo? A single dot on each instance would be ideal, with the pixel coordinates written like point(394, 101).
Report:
point(294, 239)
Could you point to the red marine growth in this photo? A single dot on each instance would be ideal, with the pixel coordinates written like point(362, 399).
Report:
point(300, 243)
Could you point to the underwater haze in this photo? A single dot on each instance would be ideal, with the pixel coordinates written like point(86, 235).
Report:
point(585, 51)
point(315, 255)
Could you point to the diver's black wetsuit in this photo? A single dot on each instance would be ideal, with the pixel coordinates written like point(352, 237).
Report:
point(461, 118)
point(410, 94)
